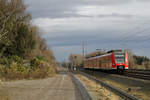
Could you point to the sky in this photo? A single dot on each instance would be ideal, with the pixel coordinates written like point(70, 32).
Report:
point(100, 24)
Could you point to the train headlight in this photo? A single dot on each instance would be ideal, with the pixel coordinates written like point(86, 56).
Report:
point(114, 64)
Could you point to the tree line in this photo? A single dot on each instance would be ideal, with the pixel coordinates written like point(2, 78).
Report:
point(20, 41)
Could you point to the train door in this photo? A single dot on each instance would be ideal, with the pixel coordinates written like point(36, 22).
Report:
point(100, 62)
point(109, 62)
point(97, 63)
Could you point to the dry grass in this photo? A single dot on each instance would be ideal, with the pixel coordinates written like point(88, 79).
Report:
point(144, 95)
point(102, 93)
point(137, 93)
point(19, 72)
point(43, 72)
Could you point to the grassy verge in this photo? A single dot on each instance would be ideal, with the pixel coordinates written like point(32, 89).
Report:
point(16, 69)
point(97, 91)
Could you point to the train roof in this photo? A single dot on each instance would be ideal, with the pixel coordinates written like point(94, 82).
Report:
point(98, 53)
point(114, 51)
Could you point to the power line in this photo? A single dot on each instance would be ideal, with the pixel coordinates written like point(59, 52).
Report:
point(133, 34)
point(133, 31)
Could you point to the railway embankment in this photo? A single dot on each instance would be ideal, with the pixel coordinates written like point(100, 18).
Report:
point(97, 91)
point(140, 74)
point(137, 87)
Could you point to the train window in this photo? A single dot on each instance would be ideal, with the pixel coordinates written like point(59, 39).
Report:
point(120, 57)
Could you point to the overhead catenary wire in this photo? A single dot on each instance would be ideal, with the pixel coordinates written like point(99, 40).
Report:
point(134, 34)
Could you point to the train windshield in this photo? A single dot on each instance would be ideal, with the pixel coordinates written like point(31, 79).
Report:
point(120, 57)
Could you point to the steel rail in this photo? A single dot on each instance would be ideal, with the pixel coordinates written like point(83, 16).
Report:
point(142, 74)
point(85, 95)
point(117, 91)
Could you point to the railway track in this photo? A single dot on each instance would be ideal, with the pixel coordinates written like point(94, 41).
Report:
point(80, 87)
point(118, 91)
point(141, 74)
point(134, 73)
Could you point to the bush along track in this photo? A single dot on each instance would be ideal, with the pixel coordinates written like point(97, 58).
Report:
point(29, 70)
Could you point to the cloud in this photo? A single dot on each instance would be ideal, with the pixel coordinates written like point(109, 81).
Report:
point(64, 8)
point(62, 52)
point(70, 8)
point(109, 24)
point(65, 33)
point(143, 0)
point(116, 15)
point(82, 26)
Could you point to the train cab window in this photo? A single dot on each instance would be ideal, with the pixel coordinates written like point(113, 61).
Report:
point(120, 57)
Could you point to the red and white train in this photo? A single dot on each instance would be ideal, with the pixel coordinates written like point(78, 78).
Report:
point(111, 60)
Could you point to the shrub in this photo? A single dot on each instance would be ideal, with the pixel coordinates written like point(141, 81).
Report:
point(43, 70)
point(17, 70)
point(4, 61)
point(35, 62)
point(146, 65)
point(41, 58)
point(16, 59)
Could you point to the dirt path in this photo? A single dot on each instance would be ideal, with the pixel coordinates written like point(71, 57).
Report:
point(56, 88)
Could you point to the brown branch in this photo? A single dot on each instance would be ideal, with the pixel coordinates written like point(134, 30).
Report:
point(2, 35)
point(4, 24)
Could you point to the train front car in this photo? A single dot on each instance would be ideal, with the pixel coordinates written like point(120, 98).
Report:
point(120, 61)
